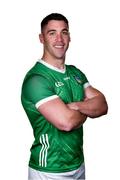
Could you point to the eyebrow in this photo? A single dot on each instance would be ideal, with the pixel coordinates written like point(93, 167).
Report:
point(53, 30)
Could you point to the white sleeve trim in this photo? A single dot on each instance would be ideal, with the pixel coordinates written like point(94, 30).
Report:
point(39, 103)
point(86, 85)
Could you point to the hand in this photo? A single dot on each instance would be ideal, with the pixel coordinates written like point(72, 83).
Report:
point(73, 106)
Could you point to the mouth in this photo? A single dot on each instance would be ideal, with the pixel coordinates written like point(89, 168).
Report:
point(59, 46)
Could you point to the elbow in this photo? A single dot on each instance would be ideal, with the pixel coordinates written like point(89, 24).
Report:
point(103, 110)
point(73, 121)
point(105, 107)
point(66, 126)
point(68, 123)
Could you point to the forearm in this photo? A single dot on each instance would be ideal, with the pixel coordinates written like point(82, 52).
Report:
point(76, 119)
point(93, 107)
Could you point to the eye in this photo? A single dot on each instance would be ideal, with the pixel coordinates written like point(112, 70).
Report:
point(52, 33)
point(65, 33)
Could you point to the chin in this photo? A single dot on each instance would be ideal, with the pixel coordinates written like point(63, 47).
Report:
point(60, 56)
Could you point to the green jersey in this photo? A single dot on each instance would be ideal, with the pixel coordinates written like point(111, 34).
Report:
point(53, 150)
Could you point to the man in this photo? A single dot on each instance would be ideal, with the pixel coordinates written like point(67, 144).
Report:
point(58, 99)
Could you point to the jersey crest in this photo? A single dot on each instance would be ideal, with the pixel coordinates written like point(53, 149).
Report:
point(77, 78)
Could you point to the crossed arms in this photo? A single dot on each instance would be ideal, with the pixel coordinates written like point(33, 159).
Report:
point(70, 116)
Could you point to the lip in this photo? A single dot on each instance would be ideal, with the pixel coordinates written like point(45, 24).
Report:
point(59, 46)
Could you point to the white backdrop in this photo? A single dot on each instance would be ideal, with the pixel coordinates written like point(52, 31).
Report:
point(94, 48)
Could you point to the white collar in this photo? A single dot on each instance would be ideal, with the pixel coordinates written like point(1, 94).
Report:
point(52, 67)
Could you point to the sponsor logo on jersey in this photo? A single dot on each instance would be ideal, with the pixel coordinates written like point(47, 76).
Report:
point(66, 78)
point(77, 78)
point(58, 84)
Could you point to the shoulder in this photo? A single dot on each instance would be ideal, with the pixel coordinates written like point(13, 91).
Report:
point(74, 69)
point(35, 80)
point(35, 74)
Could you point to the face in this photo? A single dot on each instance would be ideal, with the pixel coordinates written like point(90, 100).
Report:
point(55, 38)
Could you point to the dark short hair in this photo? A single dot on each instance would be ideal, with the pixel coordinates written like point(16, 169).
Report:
point(53, 16)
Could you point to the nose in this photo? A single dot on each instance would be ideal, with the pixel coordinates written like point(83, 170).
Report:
point(59, 37)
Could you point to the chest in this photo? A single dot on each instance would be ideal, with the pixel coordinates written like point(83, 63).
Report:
point(69, 87)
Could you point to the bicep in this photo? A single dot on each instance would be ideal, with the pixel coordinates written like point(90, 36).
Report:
point(56, 112)
point(91, 92)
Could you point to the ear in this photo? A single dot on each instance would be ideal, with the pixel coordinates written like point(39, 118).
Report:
point(69, 38)
point(41, 38)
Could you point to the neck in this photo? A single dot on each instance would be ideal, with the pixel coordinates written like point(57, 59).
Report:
point(58, 63)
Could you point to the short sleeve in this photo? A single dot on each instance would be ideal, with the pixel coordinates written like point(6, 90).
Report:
point(38, 90)
point(84, 80)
